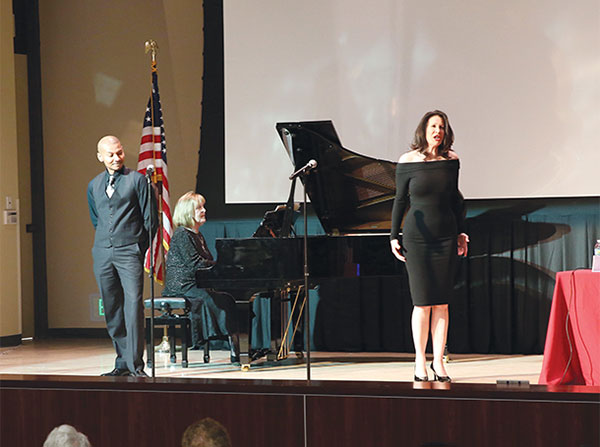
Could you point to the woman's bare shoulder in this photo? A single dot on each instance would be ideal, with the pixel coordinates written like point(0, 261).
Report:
point(452, 155)
point(410, 157)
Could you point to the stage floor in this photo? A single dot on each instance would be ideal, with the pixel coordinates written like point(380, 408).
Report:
point(91, 357)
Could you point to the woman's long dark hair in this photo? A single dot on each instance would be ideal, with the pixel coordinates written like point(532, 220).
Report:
point(420, 139)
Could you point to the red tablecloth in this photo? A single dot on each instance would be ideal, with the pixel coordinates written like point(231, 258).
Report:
point(578, 293)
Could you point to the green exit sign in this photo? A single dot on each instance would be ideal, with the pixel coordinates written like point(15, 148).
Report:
point(96, 307)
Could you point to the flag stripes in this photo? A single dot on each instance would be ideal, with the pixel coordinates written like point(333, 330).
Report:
point(153, 151)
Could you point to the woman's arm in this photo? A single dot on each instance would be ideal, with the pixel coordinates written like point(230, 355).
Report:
point(460, 212)
point(400, 205)
point(188, 255)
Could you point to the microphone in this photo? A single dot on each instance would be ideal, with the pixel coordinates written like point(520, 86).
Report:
point(149, 170)
point(312, 164)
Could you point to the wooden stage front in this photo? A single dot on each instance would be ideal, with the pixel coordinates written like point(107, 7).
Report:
point(356, 408)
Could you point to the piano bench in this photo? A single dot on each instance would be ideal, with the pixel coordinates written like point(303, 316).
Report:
point(172, 321)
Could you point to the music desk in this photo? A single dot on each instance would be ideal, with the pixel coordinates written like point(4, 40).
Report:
point(578, 294)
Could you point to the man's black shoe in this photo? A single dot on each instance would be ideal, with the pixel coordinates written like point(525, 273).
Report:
point(139, 373)
point(117, 372)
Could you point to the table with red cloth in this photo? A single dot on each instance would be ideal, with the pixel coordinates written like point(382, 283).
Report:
point(576, 294)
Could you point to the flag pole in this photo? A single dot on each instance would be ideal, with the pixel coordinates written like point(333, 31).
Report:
point(153, 150)
point(152, 47)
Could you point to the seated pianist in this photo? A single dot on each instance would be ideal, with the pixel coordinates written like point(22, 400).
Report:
point(213, 313)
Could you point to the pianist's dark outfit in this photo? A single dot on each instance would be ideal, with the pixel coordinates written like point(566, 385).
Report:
point(213, 313)
point(434, 219)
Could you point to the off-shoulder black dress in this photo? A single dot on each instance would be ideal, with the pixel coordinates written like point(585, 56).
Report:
point(427, 192)
point(213, 313)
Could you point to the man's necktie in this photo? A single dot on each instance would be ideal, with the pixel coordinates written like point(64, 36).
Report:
point(110, 189)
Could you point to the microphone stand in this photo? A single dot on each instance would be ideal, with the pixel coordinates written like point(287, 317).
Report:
point(150, 198)
point(306, 300)
point(293, 177)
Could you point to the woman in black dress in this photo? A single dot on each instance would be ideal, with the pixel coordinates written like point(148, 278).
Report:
point(212, 313)
point(432, 235)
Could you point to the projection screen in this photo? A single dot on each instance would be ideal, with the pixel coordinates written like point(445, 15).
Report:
point(520, 81)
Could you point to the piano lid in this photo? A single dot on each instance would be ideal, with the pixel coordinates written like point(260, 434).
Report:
point(351, 193)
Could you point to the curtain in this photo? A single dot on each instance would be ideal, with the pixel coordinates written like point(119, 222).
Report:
point(503, 291)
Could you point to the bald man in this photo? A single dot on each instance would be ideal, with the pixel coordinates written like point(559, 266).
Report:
point(122, 217)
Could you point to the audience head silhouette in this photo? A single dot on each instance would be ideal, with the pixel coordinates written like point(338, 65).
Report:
point(206, 433)
point(66, 436)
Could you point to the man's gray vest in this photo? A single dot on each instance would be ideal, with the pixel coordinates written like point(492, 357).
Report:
point(120, 218)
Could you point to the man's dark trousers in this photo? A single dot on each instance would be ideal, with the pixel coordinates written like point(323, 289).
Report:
point(120, 276)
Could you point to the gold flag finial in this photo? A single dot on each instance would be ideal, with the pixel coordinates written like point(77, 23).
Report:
point(152, 46)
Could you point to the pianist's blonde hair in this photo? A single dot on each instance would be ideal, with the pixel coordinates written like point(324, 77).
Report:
point(185, 210)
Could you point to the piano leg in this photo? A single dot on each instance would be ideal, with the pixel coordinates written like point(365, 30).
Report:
point(239, 346)
point(234, 347)
point(278, 307)
point(244, 344)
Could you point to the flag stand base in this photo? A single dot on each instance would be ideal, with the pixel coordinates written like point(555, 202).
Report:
point(163, 346)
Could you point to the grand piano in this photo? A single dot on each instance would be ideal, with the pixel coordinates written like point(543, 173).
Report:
point(352, 196)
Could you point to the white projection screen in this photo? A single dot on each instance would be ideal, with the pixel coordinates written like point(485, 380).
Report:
point(519, 79)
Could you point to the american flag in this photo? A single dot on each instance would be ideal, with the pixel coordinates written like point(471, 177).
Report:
point(153, 151)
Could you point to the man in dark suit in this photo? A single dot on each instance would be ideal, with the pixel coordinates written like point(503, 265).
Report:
point(123, 218)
